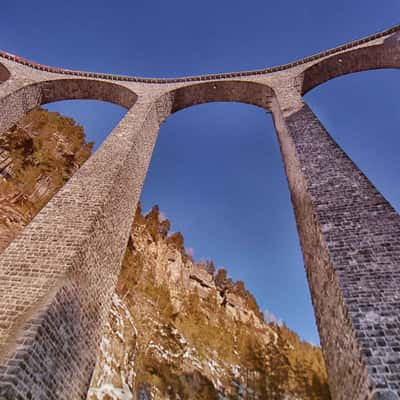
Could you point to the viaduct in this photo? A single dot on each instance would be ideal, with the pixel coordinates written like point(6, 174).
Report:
point(58, 275)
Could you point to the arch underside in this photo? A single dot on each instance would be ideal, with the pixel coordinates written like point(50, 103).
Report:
point(17, 104)
point(229, 91)
point(73, 89)
point(386, 55)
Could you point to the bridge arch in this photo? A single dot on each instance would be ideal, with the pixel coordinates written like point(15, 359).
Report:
point(4, 74)
point(78, 88)
point(26, 98)
point(216, 91)
point(385, 55)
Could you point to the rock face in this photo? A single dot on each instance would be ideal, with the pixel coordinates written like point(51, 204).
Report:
point(177, 329)
point(180, 330)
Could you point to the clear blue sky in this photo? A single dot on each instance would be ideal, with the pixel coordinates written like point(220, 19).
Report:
point(216, 170)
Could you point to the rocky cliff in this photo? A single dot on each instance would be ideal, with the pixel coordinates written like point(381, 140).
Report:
point(177, 329)
point(180, 330)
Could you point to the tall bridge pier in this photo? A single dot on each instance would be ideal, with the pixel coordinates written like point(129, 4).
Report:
point(57, 277)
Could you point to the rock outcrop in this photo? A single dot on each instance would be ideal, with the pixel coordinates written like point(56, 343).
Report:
point(180, 330)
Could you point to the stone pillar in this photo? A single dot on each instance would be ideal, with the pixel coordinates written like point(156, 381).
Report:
point(57, 277)
point(350, 237)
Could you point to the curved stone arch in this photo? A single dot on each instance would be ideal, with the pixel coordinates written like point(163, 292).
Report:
point(385, 55)
point(26, 98)
point(4, 74)
point(206, 92)
point(78, 88)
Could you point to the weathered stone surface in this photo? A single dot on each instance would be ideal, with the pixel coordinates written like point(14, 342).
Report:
point(346, 229)
point(58, 276)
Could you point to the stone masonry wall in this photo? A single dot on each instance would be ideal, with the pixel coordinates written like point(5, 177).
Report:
point(348, 233)
point(57, 321)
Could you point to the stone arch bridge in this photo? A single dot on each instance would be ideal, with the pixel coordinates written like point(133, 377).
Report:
point(57, 277)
